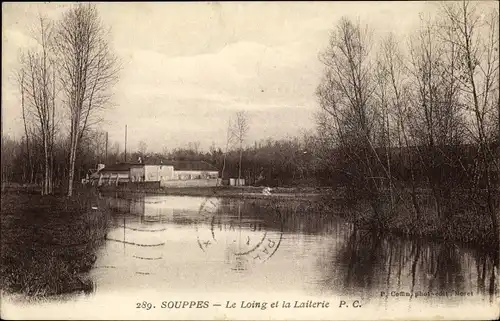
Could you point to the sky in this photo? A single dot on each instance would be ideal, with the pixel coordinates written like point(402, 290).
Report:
point(188, 67)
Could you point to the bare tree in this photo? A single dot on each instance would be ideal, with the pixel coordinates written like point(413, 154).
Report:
point(347, 99)
point(434, 119)
point(143, 147)
point(229, 138)
point(382, 99)
point(475, 36)
point(397, 94)
point(28, 167)
point(88, 69)
point(37, 79)
point(239, 132)
point(194, 146)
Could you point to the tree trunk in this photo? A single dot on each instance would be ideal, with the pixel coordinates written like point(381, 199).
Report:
point(239, 169)
point(52, 134)
point(47, 170)
point(72, 158)
point(28, 152)
point(71, 172)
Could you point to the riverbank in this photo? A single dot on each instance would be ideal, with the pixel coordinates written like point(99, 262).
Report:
point(49, 242)
point(245, 192)
point(464, 224)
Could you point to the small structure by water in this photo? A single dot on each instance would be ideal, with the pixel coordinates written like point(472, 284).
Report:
point(167, 174)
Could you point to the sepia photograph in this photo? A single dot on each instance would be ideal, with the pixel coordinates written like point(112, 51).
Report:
point(250, 160)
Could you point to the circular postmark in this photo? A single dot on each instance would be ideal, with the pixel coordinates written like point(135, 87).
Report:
point(246, 230)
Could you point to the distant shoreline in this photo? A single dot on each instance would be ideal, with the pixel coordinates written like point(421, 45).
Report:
point(248, 192)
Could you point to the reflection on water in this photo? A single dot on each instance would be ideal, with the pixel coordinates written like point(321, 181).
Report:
point(216, 244)
point(363, 263)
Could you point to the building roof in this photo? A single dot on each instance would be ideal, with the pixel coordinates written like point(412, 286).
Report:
point(120, 167)
point(190, 165)
point(178, 165)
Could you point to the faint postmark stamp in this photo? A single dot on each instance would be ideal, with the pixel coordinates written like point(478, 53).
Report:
point(247, 230)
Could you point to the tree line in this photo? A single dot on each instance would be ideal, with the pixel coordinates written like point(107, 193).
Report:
point(397, 120)
point(64, 80)
point(422, 118)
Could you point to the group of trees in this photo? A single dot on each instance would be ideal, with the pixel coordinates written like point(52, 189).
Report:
point(267, 162)
point(63, 80)
point(398, 120)
point(16, 167)
point(284, 162)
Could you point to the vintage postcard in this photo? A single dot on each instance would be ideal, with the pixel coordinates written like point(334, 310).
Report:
point(250, 160)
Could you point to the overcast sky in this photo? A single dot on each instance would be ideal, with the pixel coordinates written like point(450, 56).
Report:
point(187, 67)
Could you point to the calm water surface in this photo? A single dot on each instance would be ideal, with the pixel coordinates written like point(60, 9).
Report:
point(209, 244)
point(175, 246)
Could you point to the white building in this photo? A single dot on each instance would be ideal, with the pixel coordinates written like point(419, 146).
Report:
point(169, 173)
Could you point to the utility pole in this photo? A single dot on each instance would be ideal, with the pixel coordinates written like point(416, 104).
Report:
point(125, 143)
point(106, 152)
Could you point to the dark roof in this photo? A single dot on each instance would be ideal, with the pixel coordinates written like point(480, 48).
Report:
point(190, 165)
point(120, 167)
point(178, 165)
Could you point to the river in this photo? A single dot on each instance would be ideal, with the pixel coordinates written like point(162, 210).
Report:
point(160, 249)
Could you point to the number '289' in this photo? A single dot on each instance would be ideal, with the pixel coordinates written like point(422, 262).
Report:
point(144, 305)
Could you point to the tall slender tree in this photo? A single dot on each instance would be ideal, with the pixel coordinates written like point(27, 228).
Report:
point(88, 69)
point(38, 91)
point(229, 138)
point(239, 132)
point(475, 35)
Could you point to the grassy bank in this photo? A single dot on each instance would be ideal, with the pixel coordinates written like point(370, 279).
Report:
point(49, 242)
point(463, 223)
